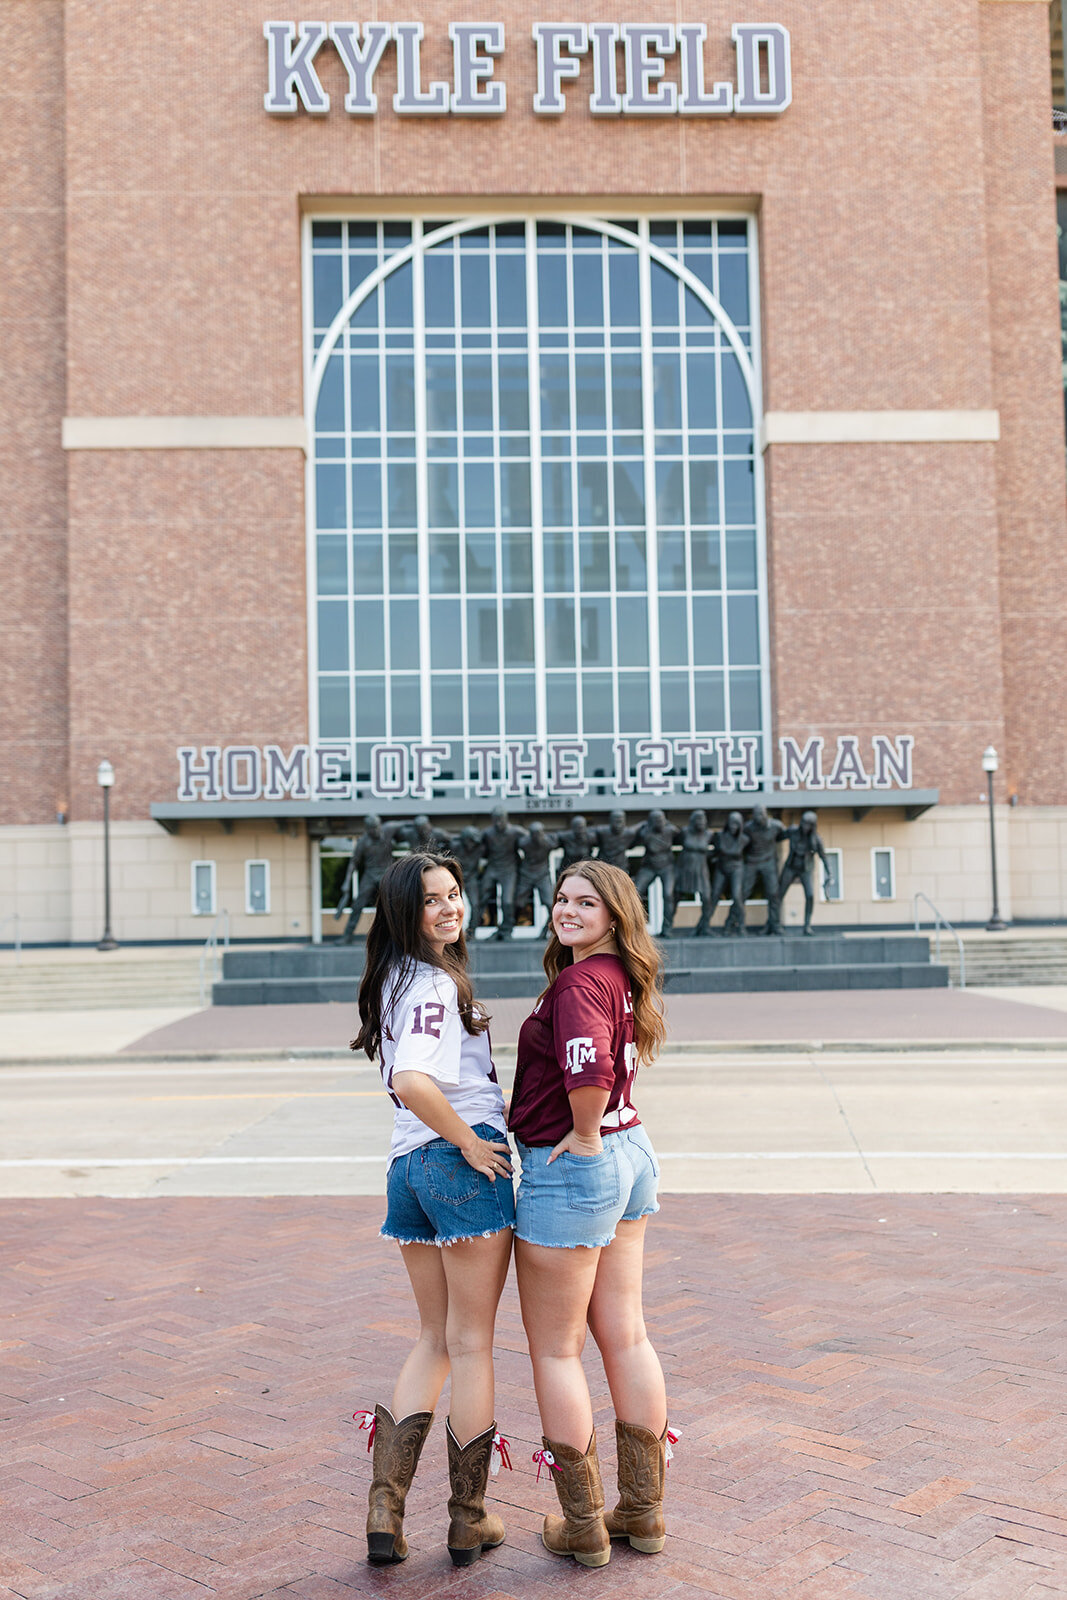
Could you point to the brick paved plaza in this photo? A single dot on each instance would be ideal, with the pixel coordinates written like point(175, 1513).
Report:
point(871, 1393)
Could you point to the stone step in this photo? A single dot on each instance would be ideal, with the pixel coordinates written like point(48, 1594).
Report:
point(102, 986)
point(1014, 962)
point(681, 980)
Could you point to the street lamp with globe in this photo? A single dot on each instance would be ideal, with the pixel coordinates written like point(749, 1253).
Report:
point(105, 777)
point(990, 764)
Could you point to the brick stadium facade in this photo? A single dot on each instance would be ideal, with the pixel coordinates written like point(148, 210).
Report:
point(155, 519)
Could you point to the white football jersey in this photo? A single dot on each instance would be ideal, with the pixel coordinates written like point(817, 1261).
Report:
point(423, 1032)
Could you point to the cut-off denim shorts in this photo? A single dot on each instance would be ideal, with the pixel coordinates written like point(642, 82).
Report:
point(579, 1200)
point(434, 1197)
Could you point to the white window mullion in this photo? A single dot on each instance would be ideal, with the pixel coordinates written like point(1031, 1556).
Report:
point(752, 261)
point(383, 480)
point(537, 509)
point(310, 463)
point(422, 492)
point(609, 463)
point(498, 495)
point(345, 344)
point(648, 425)
point(574, 465)
point(721, 351)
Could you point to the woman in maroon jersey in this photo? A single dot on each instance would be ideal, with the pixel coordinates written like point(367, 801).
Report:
point(588, 1186)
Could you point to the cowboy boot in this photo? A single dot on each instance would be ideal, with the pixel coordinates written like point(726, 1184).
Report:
point(471, 1529)
point(642, 1472)
point(580, 1532)
point(397, 1447)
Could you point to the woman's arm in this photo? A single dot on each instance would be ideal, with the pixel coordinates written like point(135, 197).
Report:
point(423, 1097)
point(587, 1108)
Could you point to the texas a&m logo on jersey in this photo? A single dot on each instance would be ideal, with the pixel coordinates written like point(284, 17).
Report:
point(580, 1053)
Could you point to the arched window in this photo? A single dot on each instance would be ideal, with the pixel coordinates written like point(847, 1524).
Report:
point(537, 505)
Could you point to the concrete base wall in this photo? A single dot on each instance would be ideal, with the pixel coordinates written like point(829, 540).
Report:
point(52, 876)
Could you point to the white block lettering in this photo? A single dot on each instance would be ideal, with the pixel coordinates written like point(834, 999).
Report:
point(694, 101)
point(411, 98)
point(551, 39)
point(760, 43)
point(361, 61)
point(472, 93)
point(290, 74)
point(644, 46)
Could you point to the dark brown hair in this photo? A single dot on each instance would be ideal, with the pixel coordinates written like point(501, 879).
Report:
point(636, 948)
point(396, 943)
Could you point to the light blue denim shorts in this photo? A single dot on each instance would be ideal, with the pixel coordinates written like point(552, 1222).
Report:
point(434, 1197)
point(579, 1200)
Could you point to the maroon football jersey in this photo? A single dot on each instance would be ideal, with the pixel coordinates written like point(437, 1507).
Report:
point(580, 1033)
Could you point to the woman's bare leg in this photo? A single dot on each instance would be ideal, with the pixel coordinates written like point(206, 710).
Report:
point(422, 1377)
point(474, 1271)
point(554, 1292)
point(617, 1323)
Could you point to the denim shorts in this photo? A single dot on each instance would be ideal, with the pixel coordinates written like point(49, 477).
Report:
point(578, 1200)
point(434, 1197)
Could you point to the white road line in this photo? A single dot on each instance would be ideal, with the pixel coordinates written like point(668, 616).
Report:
point(856, 1155)
point(670, 1155)
point(297, 1066)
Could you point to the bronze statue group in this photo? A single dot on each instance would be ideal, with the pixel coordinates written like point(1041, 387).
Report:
point(505, 866)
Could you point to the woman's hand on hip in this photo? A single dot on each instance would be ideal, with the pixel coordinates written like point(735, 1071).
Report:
point(488, 1156)
point(578, 1144)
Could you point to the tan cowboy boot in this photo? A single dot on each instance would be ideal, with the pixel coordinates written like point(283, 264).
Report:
point(397, 1447)
point(642, 1473)
point(580, 1532)
point(471, 1529)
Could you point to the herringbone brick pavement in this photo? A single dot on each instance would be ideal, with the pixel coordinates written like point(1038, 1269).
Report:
point(871, 1394)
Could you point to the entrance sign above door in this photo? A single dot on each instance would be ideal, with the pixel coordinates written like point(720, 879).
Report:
point(762, 84)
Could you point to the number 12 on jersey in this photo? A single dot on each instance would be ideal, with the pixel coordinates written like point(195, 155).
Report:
point(428, 1019)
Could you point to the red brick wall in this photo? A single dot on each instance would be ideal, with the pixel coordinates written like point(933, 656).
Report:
point(1031, 497)
point(874, 201)
point(33, 509)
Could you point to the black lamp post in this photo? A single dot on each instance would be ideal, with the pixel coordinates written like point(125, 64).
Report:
point(989, 767)
point(105, 777)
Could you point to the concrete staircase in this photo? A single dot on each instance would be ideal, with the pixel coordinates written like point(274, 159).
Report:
point(309, 973)
point(88, 980)
point(1007, 960)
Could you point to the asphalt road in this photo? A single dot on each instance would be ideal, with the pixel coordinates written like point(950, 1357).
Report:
point(796, 1121)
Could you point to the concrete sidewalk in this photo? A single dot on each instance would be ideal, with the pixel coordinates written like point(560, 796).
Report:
point(874, 1018)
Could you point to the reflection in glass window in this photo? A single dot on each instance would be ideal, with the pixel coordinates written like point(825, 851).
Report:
point(535, 483)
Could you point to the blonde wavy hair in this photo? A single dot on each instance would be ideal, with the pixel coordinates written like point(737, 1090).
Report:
point(637, 950)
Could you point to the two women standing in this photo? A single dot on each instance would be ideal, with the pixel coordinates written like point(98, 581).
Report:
point(588, 1186)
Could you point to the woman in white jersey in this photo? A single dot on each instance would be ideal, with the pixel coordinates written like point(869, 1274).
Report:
point(451, 1205)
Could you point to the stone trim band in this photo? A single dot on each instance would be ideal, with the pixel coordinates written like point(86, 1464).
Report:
point(879, 427)
point(290, 433)
point(184, 433)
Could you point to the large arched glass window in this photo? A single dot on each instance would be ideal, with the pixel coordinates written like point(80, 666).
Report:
point(536, 505)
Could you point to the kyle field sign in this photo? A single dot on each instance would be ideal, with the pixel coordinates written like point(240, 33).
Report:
point(629, 63)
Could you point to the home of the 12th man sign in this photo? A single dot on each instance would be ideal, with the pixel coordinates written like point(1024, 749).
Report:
point(763, 85)
point(552, 768)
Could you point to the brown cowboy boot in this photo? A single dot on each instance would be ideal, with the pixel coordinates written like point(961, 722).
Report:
point(397, 1447)
point(580, 1532)
point(642, 1473)
point(471, 1529)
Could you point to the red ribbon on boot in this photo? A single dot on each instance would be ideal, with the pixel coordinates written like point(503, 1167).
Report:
point(502, 1458)
point(544, 1458)
point(369, 1424)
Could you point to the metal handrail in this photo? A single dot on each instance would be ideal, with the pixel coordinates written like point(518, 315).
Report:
point(14, 917)
point(211, 944)
point(938, 920)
